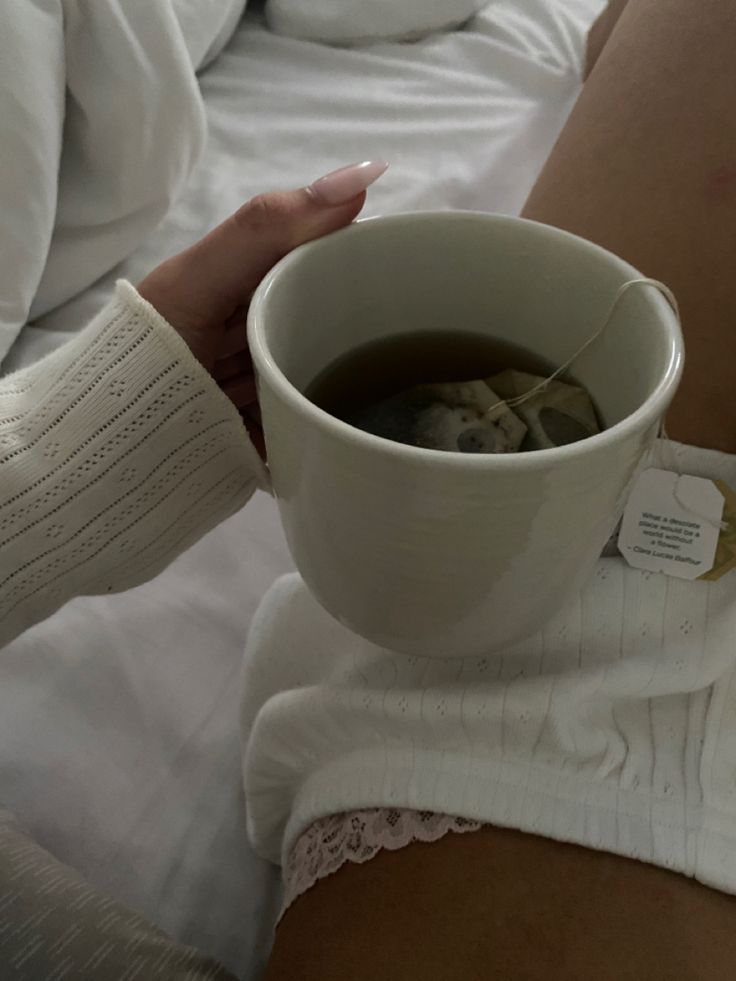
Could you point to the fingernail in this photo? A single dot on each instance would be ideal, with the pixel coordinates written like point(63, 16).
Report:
point(348, 182)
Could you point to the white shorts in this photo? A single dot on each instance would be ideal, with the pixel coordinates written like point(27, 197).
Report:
point(614, 727)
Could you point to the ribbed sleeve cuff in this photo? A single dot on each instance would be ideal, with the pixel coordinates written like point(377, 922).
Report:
point(117, 452)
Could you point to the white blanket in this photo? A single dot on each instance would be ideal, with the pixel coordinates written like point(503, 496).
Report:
point(103, 122)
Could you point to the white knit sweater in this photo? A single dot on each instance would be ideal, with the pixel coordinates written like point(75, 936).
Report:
point(117, 452)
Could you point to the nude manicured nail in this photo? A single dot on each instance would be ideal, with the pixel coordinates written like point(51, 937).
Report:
point(346, 183)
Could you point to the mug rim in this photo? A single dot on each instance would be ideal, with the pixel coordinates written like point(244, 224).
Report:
point(652, 408)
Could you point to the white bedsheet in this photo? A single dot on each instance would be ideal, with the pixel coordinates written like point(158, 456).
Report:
point(118, 716)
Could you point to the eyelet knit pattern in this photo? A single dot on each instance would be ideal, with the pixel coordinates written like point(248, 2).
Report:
point(117, 452)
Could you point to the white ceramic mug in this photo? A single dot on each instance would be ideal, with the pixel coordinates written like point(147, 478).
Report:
point(437, 553)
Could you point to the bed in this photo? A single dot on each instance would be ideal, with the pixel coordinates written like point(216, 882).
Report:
point(119, 741)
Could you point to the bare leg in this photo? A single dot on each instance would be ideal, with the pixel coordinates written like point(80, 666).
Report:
point(496, 905)
point(647, 167)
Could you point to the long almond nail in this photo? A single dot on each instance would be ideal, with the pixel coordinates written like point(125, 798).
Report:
point(347, 183)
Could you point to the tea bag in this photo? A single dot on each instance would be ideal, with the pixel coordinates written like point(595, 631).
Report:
point(558, 414)
point(468, 417)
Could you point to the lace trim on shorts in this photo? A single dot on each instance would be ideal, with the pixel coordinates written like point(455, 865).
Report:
point(356, 836)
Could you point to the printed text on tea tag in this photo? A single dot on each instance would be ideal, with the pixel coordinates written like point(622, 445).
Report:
point(671, 524)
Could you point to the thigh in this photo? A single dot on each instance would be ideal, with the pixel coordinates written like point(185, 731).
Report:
point(496, 904)
point(646, 166)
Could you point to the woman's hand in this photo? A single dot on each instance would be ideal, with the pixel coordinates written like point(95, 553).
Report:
point(204, 291)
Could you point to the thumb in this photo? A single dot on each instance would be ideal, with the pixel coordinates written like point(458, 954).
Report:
point(237, 254)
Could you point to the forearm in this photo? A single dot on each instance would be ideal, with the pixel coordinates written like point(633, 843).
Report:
point(116, 453)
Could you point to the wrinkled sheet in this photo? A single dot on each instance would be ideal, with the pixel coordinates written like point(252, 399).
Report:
point(357, 22)
point(119, 715)
point(85, 175)
point(102, 124)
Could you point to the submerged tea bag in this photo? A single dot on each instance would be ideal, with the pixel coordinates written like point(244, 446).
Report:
point(467, 417)
point(474, 417)
point(558, 414)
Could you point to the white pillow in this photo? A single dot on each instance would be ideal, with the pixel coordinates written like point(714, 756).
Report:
point(361, 21)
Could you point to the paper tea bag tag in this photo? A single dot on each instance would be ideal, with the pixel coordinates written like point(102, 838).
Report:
point(671, 524)
point(725, 559)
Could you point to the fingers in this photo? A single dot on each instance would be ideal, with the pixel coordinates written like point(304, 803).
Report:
point(233, 372)
point(241, 390)
point(235, 377)
point(204, 291)
point(252, 419)
point(237, 254)
point(225, 369)
point(234, 338)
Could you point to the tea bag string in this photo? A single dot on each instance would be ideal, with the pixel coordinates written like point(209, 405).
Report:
point(540, 386)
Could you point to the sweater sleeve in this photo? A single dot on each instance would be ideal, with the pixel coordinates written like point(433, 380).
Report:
point(117, 452)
